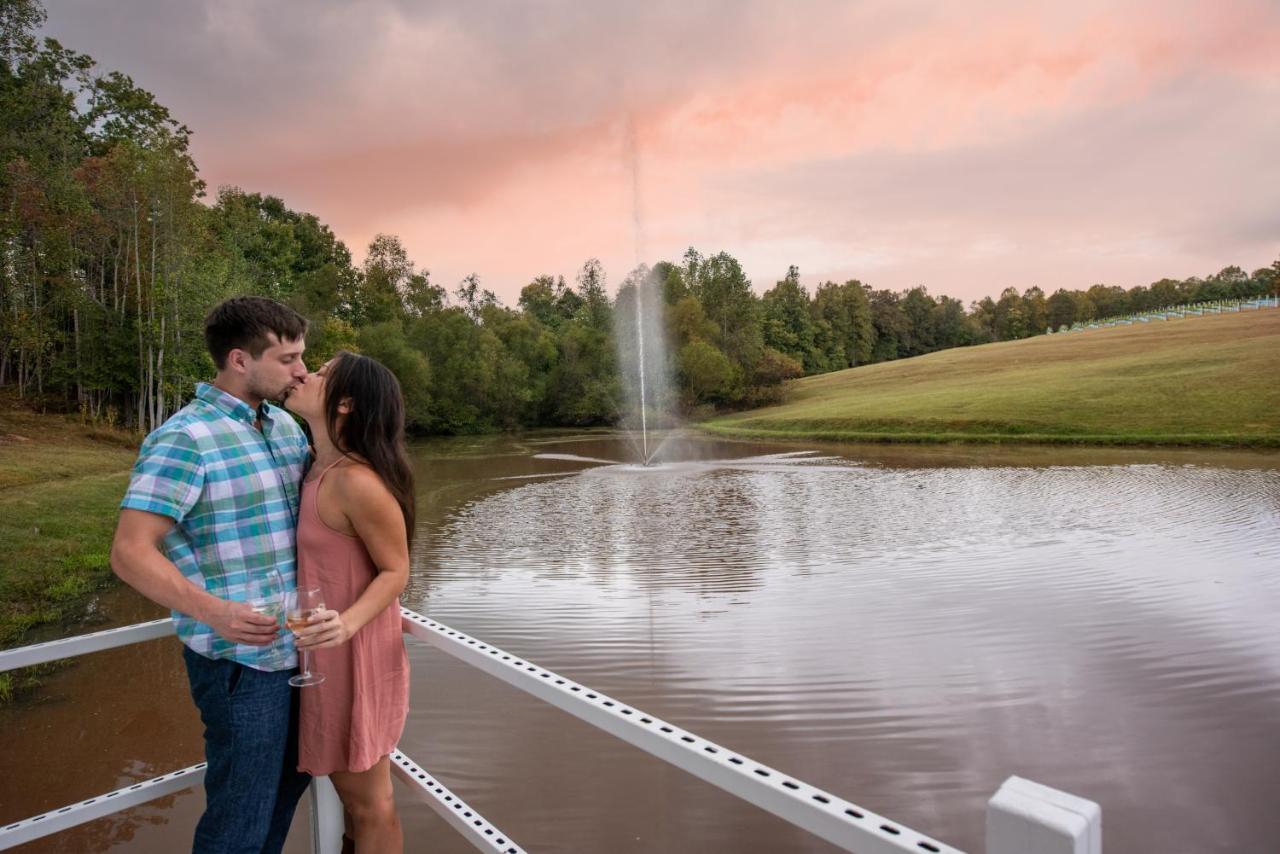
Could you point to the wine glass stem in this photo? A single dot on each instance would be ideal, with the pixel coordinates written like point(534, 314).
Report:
point(306, 663)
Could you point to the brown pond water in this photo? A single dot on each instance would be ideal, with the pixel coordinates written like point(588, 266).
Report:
point(903, 627)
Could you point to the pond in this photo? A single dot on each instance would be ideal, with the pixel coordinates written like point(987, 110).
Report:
point(904, 627)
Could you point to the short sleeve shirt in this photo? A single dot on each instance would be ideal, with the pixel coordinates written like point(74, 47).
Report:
point(232, 491)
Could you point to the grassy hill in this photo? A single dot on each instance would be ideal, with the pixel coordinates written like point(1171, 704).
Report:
point(1212, 380)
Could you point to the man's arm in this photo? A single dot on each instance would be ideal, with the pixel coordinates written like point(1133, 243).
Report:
point(136, 557)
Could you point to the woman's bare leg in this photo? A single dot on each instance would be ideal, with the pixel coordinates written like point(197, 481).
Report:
point(348, 835)
point(368, 798)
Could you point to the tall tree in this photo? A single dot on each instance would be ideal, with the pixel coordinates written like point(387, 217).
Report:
point(1060, 310)
point(474, 299)
point(550, 301)
point(918, 308)
point(788, 321)
point(722, 287)
point(1108, 300)
point(1037, 310)
point(1011, 322)
point(952, 327)
point(387, 270)
point(583, 386)
point(844, 330)
point(892, 327)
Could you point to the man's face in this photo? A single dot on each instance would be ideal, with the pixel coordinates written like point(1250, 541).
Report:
point(278, 370)
point(307, 398)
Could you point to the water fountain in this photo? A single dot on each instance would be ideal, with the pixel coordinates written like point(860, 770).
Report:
point(640, 333)
point(649, 411)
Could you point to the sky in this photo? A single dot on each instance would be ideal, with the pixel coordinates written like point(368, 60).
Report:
point(966, 147)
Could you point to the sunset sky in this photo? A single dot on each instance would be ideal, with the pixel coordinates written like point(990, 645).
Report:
point(963, 146)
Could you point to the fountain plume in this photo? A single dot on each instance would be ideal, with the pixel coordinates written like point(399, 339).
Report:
point(642, 358)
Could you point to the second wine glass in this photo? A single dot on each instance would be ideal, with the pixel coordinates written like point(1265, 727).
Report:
point(300, 608)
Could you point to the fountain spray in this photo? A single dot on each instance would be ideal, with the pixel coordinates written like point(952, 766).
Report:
point(644, 401)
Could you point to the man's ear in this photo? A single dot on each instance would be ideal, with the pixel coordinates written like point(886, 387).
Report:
point(237, 360)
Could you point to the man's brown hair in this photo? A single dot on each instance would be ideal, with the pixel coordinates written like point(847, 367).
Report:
point(243, 323)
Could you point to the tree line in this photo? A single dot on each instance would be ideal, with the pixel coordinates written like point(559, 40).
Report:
point(111, 253)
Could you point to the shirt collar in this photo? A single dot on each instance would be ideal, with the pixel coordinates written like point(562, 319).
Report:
point(231, 405)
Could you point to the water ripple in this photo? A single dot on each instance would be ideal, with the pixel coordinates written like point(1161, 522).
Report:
point(923, 619)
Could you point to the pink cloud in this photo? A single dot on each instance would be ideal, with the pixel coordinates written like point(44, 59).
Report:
point(916, 141)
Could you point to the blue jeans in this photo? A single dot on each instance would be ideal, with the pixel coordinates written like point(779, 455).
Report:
point(252, 784)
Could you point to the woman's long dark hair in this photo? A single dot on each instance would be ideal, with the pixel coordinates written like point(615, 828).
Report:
point(374, 428)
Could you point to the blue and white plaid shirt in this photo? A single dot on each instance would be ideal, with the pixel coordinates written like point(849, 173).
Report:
point(233, 491)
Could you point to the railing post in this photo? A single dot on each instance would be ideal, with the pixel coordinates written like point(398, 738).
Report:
point(326, 817)
point(1027, 818)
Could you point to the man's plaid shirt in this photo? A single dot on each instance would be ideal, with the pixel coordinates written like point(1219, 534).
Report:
point(233, 491)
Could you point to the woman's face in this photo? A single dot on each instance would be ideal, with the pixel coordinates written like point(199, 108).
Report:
point(307, 397)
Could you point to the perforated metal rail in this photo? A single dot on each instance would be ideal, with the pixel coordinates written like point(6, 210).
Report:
point(478, 831)
point(1022, 812)
point(832, 818)
point(451, 808)
point(71, 815)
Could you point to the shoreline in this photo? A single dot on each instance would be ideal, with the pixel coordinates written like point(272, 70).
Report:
point(1081, 440)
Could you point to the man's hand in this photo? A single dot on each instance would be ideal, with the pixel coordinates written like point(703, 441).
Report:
point(325, 629)
point(239, 623)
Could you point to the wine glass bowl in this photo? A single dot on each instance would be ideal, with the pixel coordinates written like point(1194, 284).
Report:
point(300, 607)
point(268, 598)
point(269, 606)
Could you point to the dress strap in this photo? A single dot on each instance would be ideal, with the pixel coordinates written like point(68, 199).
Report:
point(325, 471)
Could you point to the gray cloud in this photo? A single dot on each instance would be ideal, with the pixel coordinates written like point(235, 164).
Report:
point(372, 111)
point(474, 65)
point(1186, 177)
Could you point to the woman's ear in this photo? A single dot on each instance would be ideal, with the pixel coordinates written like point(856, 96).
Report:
point(345, 406)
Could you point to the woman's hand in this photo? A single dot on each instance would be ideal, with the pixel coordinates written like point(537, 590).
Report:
point(325, 629)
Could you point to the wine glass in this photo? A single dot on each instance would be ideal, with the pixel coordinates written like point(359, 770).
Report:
point(299, 609)
point(270, 601)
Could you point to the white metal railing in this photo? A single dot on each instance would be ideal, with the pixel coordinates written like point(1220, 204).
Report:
point(40, 653)
point(844, 824)
point(1195, 309)
point(1022, 816)
point(326, 810)
point(71, 815)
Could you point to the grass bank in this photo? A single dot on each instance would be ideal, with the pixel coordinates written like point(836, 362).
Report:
point(60, 485)
point(1207, 381)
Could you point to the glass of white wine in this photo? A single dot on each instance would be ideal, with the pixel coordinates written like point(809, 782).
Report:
point(300, 607)
point(270, 598)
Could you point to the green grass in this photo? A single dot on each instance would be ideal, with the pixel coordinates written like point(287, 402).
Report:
point(60, 485)
point(1211, 381)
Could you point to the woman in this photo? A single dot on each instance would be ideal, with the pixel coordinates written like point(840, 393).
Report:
point(354, 525)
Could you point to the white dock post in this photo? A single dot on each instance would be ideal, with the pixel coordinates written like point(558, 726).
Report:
point(326, 817)
point(1027, 818)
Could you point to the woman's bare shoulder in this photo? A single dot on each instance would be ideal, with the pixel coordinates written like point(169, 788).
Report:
point(358, 479)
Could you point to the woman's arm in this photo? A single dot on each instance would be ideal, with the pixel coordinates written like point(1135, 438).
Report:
point(375, 515)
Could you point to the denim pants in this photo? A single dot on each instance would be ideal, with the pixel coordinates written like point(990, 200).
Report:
point(252, 784)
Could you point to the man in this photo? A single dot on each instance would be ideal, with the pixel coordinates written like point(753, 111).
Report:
point(206, 527)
